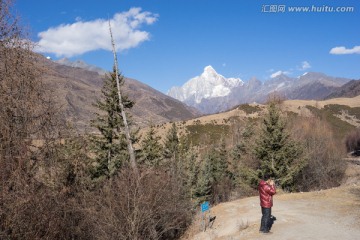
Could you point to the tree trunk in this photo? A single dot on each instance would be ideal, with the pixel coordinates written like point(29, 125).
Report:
point(123, 114)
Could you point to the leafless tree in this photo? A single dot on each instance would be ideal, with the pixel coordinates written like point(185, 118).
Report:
point(123, 114)
point(28, 132)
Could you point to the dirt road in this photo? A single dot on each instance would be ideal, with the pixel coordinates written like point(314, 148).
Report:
point(330, 214)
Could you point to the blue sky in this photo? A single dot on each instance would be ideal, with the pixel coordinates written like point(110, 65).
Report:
point(164, 43)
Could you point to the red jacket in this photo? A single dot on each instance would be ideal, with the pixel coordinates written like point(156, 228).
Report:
point(266, 192)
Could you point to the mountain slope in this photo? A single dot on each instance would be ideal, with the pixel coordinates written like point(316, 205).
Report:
point(350, 89)
point(80, 64)
point(76, 89)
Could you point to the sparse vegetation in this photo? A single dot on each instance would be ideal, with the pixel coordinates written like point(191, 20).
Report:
point(207, 133)
point(248, 109)
point(340, 128)
point(339, 109)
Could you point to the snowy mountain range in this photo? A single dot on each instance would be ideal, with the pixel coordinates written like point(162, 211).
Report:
point(211, 92)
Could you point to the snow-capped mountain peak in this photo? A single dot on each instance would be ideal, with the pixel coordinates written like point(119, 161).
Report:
point(209, 84)
point(209, 72)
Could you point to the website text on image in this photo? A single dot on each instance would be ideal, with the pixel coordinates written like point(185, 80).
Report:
point(277, 8)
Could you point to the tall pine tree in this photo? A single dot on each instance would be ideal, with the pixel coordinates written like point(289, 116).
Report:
point(110, 145)
point(279, 155)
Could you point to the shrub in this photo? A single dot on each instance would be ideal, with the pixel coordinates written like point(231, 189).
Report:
point(152, 207)
point(248, 109)
point(352, 141)
point(325, 167)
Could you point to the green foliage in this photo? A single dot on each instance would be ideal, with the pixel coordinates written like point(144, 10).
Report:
point(171, 145)
point(171, 153)
point(213, 182)
point(110, 146)
point(243, 173)
point(248, 109)
point(191, 173)
point(279, 155)
point(222, 165)
point(151, 153)
point(204, 181)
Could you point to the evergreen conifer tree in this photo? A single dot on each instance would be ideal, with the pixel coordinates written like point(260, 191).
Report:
point(171, 145)
point(222, 164)
point(151, 149)
point(212, 172)
point(242, 172)
point(205, 179)
point(171, 150)
point(191, 171)
point(279, 155)
point(110, 146)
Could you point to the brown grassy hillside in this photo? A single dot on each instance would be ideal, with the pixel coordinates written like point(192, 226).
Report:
point(343, 114)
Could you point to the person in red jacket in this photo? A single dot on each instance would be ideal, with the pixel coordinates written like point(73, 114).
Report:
point(266, 192)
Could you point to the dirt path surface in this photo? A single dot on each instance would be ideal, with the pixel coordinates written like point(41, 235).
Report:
point(330, 214)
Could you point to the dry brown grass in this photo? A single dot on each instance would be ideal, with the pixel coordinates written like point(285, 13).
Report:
point(295, 106)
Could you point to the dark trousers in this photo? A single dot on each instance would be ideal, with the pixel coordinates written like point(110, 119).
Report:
point(265, 219)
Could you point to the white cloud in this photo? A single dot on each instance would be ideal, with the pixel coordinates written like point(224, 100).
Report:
point(344, 50)
point(305, 65)
point(80, 37)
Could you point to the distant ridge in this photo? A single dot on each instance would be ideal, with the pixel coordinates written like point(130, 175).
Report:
point(81, 64)
point(350, 89)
